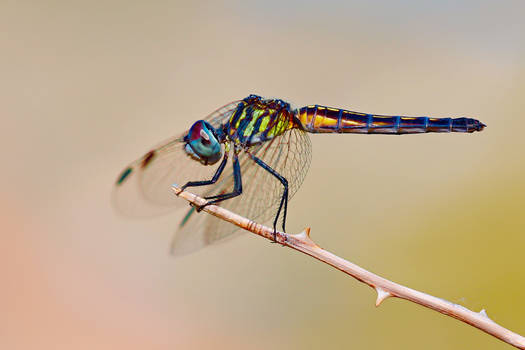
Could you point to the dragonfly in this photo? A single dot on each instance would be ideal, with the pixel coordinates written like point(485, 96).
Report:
point(249, 156)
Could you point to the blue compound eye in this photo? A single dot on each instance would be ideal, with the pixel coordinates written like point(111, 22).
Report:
point(202, 143)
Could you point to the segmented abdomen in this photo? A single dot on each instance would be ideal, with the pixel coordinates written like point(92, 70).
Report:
point(321, 119)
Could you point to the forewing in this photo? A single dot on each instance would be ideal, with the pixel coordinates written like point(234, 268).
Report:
point(144, 187)
point(289, 154)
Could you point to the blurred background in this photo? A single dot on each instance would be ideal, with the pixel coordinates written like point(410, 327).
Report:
point(87, 87)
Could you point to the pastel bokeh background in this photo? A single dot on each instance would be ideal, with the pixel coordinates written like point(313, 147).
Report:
point(87, 87)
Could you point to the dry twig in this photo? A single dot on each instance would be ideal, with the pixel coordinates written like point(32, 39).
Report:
point(383, 287)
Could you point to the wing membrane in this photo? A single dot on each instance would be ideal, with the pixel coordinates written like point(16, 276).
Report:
point(289, 154)
point(143, 188)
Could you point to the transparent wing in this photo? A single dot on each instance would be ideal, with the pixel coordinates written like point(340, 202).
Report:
point(143, 188)
point(289, 154)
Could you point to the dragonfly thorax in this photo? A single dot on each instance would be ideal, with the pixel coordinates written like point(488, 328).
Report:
point(257, 120)
point(203, 143)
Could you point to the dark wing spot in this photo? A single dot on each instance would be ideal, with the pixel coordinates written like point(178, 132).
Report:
point(187, 217)
point(124, 175)
point(148, 157)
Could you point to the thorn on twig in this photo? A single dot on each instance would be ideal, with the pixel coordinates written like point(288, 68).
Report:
point(305, 237)
point(484, 313)
point(305, 234)
point(381, 295)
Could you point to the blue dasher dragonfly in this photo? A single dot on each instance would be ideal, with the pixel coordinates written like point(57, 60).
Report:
point(267, 143)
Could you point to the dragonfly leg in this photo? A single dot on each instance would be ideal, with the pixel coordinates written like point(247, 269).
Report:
point(216, 176)
point(237, 186)
point(284, 198)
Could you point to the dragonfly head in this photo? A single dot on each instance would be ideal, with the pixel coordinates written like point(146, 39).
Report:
point(202, 143)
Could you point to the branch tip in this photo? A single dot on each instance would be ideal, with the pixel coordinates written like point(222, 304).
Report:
point(381, 295)
point(176, 189)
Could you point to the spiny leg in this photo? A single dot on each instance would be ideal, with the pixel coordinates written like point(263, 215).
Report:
point(284, 198)
point(237, 186)
point(216, 176)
